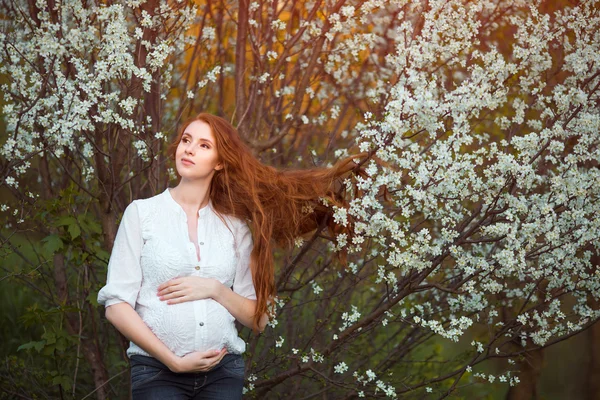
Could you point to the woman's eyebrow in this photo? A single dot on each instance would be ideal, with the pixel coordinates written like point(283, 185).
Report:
point(200, 140)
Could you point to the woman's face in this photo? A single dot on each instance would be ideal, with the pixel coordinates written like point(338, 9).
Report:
point(196, 156)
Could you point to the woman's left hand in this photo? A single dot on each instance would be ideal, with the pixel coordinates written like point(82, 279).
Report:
point(187, 288)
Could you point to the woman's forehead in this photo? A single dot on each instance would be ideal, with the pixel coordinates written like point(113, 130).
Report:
point(199, 130)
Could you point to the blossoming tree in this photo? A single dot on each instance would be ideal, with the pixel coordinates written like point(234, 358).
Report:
point(470, 232)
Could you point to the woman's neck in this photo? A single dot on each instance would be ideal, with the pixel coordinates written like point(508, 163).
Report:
point(191, 195)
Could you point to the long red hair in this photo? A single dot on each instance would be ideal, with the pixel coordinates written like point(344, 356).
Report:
point(278, 205)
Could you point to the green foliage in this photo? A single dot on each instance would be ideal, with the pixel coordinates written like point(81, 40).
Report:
point(42, 323)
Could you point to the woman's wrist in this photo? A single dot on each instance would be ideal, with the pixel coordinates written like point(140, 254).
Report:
point(173, 362)
point(217, 291)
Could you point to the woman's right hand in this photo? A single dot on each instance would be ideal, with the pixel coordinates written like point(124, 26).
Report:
point(198, 361)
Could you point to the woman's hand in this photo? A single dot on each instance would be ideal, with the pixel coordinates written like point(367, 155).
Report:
point(198, 361)
point(188, 288)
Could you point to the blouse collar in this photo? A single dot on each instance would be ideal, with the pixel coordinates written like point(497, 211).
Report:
point(177, 207)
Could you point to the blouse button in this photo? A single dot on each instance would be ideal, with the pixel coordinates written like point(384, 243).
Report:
point(201, 324)
point(201, 243)
point(197, 267)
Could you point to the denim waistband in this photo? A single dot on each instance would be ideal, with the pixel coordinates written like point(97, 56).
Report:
point(137, 359)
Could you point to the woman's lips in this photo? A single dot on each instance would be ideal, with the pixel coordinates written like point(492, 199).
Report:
point(185, 161)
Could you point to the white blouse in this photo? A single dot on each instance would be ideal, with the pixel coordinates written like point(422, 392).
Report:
point(152, 246)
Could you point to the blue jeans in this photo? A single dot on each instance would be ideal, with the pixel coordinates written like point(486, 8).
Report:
point(152, 380)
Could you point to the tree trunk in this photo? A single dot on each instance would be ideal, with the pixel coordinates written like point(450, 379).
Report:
point(593, 342)
point(240, 67)
point(593, 378)
point(531, 368)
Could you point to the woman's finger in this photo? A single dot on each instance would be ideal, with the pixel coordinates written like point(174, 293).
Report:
point(174, 295)
point(215, 357)
point(214, 363)
point(169, 289)
point(209, 353)
point(179, 300)
point(169, 296)
point(164, 286)
point(219, 360)
point(221, 355)
point(211, 359)
point(169, 285)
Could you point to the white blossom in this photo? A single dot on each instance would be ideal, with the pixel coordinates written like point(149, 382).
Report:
point(341, 368)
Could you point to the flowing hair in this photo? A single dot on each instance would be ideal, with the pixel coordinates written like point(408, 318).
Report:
point(278, 205)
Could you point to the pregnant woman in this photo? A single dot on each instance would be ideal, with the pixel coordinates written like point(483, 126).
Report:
point(185, 266)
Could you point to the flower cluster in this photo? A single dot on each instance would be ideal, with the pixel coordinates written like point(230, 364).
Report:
point(75, 85)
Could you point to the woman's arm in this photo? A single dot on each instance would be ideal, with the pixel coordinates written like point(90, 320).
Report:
point(240, 299)
point(131, 325)
point(240, 307)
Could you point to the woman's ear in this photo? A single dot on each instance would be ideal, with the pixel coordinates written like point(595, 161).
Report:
point(219, 166)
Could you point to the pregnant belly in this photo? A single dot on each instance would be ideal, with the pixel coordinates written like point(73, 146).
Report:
point(199, 325)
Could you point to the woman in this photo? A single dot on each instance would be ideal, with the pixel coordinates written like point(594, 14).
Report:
point(184, 265)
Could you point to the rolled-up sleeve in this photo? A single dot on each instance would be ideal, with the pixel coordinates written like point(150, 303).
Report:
point(124, 276)
point(242, 283)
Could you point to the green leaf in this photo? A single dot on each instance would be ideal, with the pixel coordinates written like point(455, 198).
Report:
point(74, 230)
point(32, 345)
point(103, 255)
point(50, 337)
point(63, 380)
point(61, 344)
point(71, 223)
point(95, 227)
point(68, 220)
point(52, 243)
point(92, 298)
point(88, 225)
